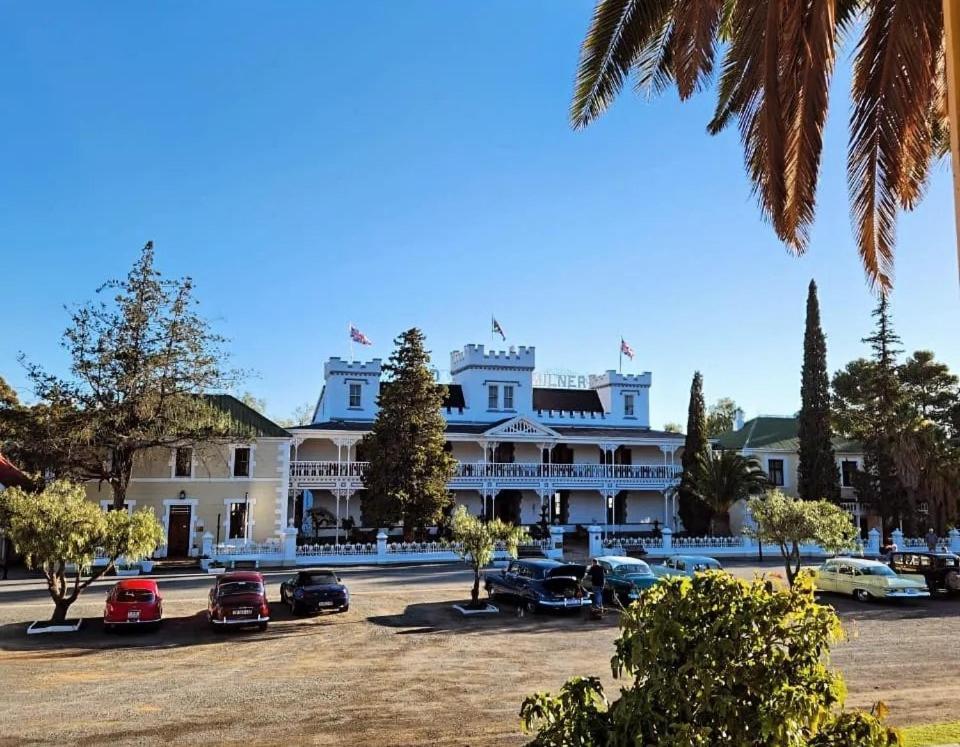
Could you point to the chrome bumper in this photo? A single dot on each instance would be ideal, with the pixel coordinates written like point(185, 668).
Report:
point(132, 622)
point(240, 621)
point(565, 603)
point(906, 594)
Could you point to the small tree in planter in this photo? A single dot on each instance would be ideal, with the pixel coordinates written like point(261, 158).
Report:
point(476, 540)
point(60, 527)
point(789, 523)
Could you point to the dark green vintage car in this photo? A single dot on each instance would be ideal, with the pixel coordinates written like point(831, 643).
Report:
point(625, 578)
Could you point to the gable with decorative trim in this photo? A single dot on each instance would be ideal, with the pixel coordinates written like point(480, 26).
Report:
point(521, 427)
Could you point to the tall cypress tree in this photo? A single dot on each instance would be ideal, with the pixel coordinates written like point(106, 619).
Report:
point(409, 468)
point(817, 474)
point(879, 483)
point(694, 513)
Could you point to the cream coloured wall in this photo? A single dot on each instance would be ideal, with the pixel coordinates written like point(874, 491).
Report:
point(152, 486)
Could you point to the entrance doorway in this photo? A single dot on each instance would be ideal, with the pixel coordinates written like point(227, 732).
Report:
point(178, 532)
point(507, 506)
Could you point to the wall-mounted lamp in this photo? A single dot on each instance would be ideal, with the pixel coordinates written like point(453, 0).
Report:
point(183, 495)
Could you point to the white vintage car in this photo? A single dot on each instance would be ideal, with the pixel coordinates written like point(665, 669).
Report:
point(868, 579)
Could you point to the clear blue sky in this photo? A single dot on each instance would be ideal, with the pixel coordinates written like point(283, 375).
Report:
point(400, 164)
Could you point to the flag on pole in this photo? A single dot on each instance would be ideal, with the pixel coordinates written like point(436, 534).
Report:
point(625, 349)
point(357, 336)
point(496, 329)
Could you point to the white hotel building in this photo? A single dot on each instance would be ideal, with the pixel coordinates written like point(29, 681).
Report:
point(584, 455)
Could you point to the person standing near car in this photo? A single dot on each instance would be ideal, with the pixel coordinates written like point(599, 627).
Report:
point(597, 581)
point(932, 540)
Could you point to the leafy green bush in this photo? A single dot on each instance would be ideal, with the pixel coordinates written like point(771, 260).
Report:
point(714, 660)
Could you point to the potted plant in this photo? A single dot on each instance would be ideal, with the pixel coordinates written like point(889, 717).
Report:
point(127, 569)
point(216, 568)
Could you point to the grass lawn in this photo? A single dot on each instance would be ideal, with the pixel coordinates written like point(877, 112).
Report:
point(930, 734)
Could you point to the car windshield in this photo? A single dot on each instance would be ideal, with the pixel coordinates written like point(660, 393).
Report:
point(240, 587)
point(634, 569)
point(875, 570)
point(134, 595)
point(322, 577)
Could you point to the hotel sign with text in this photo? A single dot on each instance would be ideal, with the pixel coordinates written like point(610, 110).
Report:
point(560, 380)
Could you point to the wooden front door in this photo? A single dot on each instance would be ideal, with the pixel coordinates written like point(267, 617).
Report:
point(178, 532)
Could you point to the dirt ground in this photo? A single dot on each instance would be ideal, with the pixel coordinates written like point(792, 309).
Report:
point(400, 668)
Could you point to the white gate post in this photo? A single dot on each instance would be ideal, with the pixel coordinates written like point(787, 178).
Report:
point(381, 546)
point(556, 543)
point(954, 536)
point(288, 537)
point(873, 542)
point(667, 534)
point(207, 549)
point(897, 536)
point(595, 547)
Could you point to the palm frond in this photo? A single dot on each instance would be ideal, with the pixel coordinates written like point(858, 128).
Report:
point(619, 31)
point(809, 56)
point(891, 138)
point(693, 42)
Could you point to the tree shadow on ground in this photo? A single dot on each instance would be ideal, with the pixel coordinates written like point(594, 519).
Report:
point(892, 609)
point(440, 617)
point(173, 632)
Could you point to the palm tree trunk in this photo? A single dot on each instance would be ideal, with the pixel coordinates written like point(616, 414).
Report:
point(951, 30)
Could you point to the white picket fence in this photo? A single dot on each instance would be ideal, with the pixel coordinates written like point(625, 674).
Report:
point(286, 552)
point(746, 546)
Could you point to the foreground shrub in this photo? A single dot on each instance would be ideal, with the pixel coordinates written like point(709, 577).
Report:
point(714, 660)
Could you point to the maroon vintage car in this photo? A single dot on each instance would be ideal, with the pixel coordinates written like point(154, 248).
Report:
point(238, 598)
point(133, 603)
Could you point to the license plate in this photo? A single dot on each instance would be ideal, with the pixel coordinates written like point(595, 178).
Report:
point(242, 611)
point(324, 604)
point(911, 591)
point(133, 615)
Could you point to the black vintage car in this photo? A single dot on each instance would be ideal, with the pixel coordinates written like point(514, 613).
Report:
point(941, 570)
point(539, 584)
point(314, 590)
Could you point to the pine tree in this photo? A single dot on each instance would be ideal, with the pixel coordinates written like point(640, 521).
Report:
point(817, 474)
point(409, 467)
point(694, 513)
point(879, 482)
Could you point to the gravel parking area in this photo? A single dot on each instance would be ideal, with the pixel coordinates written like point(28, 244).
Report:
point(399, 668)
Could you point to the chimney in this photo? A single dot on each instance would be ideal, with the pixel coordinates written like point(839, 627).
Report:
point(737, 419)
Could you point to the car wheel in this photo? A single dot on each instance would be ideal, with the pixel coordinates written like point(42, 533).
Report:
point(345, 608)
point(861, 595)
point(531, 606)
point(262, 627)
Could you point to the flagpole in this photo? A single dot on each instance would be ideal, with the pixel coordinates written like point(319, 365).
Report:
point(621, 354)
point(350, 335)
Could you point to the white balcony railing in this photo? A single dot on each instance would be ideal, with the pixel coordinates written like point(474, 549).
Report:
point(470, 472)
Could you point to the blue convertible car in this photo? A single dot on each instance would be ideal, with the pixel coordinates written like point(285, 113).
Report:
point(540, 584)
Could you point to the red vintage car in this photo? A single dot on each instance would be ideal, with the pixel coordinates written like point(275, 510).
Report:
point(133, 602)
point(238, 598)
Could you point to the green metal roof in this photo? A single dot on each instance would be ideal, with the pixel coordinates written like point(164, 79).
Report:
point(248, 420)
point(775, 434)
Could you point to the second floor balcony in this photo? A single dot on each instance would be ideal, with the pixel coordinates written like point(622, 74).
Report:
point(475, 475)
